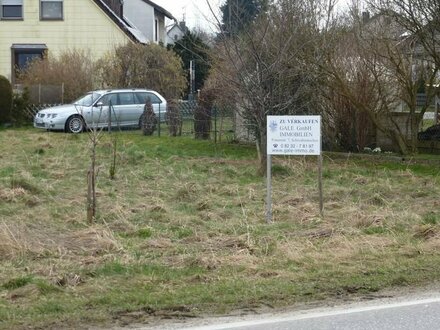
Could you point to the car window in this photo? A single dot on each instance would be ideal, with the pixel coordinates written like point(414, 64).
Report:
point(126, 98)
point(106, 99)
point(87, 100)
point(142, 97)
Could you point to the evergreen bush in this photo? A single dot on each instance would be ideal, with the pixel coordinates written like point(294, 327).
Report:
point(5, 100)
point(20, 101)
point(202, 115)
point(148, 119)
point(174, 119)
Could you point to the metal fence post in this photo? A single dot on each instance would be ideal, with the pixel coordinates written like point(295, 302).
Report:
point(215, 124)
point(110, 116)
point(158, 130)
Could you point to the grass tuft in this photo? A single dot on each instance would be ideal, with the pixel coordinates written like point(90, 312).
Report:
point(431, 218)
point(18, 282)
point(22, 183)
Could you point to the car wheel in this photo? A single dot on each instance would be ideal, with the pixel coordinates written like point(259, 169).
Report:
point(75, 124)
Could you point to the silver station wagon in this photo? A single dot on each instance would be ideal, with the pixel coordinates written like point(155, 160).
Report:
point(93, 110)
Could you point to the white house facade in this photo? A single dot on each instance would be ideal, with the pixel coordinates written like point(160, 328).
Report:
point(148, 18)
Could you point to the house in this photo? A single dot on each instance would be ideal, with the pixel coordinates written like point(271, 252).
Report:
point(404, 64)
point(31, 28)
point(176, 32)
point(148, 18)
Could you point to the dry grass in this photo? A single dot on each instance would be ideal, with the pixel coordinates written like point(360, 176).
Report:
point(92, 241)
point(25, 241)
point(183, 224)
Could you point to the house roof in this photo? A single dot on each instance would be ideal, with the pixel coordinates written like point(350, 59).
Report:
point(130, 31)
point(160, 9)
point(181, 26)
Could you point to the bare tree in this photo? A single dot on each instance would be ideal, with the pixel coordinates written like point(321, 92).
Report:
point(266, 67)
point(421, 20)
point(373, 66)
point(92, 174)
point(94, 135)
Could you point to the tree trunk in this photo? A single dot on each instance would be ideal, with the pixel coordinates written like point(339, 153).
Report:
point(400, 142)
point(91, 195)
point(414, 122)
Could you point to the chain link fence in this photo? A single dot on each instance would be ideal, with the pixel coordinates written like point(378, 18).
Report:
point(222, 129)
point(222, 126)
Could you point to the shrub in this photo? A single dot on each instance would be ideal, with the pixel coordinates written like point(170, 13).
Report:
point(143, 66)
point(174, 119)
point(202, 115)
point(5, 100)
point(148, 119)
point(20, 102)
point(71, 69)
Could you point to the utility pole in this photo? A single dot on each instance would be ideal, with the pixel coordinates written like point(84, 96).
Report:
point(192, 73)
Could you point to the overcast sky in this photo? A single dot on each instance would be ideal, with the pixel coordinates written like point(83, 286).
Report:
point(196, 12)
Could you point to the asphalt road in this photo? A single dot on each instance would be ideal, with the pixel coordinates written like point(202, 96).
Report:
point(420, 315)
point(397, 314)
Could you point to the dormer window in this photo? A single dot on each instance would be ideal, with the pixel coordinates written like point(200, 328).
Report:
point(51, 9)
point(11, 9)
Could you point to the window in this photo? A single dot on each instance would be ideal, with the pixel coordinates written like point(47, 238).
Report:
point(142, 98)
point(51, 9)
point(87, 100)
point(11, 9)
point(106, 99)
point(156, 30)
point(126, 98)
point(23, 54)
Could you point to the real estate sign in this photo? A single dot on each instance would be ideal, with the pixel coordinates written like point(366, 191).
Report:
point(293, 135)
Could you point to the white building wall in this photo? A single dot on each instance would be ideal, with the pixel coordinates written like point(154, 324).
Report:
point(174, 34)
point(141, 15)
point(84, 26)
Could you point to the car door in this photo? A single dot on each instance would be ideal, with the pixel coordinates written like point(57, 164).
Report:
point(89, 110)
point(107, 109)
point(126, 111)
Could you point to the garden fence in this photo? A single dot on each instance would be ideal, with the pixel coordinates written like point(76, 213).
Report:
point(223, 123)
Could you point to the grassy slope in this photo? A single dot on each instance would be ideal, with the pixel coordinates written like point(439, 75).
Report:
point(181, 232)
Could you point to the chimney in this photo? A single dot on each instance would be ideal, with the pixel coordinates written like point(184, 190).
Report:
point(365, 16)
point(182, 26)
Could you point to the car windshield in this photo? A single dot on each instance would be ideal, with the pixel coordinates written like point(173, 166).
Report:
point(88, 99)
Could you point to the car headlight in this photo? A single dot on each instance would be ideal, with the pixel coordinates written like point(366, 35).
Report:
point(52, 115)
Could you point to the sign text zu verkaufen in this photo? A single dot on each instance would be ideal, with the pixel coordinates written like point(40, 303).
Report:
point(293, 135)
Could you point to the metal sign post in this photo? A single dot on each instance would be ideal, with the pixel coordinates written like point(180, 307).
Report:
point(269, 190)
point(292, 135)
